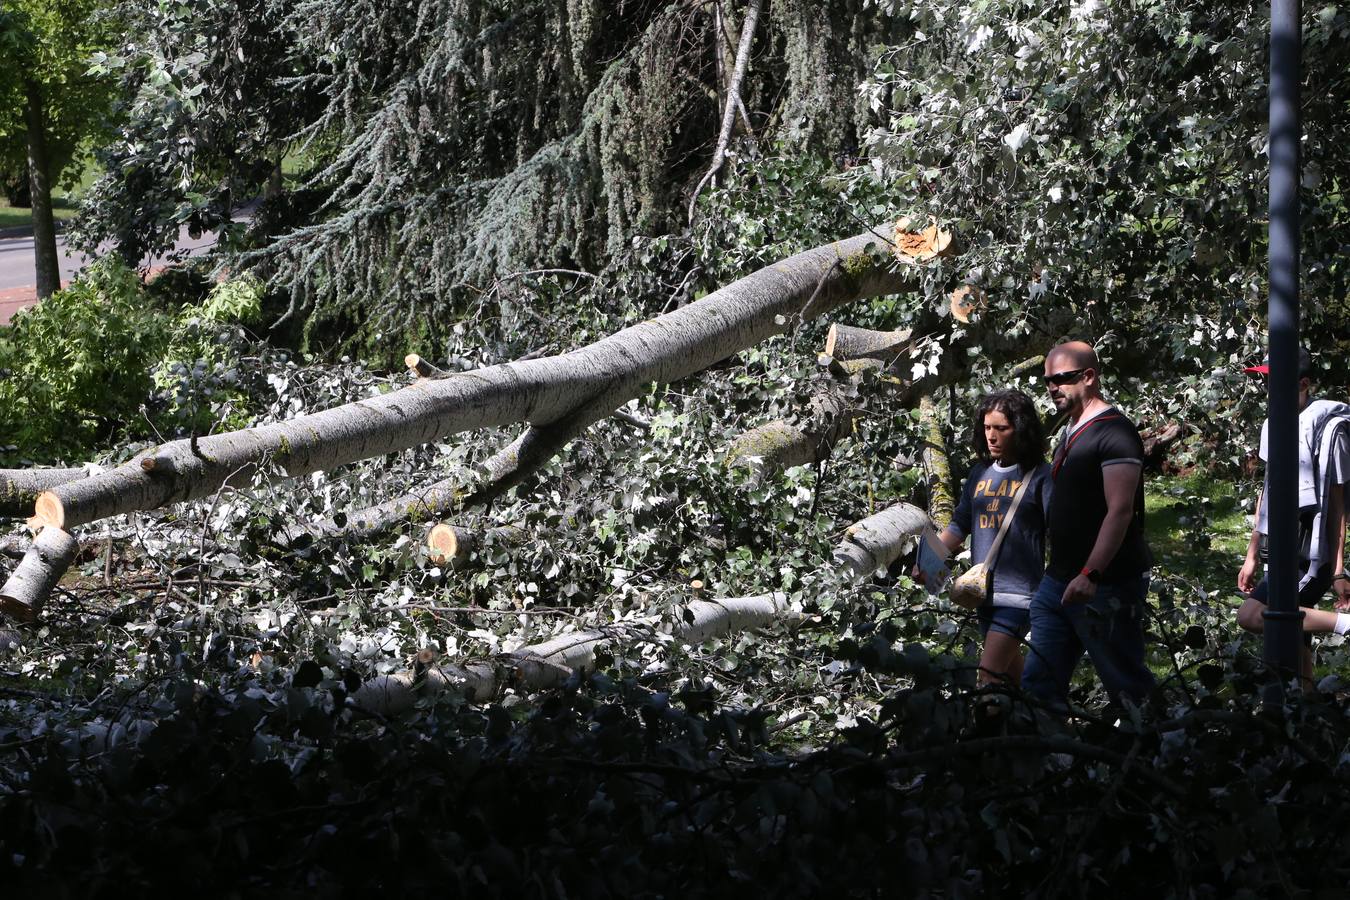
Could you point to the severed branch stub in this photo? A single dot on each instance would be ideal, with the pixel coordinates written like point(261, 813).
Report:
point(421, 368)
point(847, 342)
point(451, 544)
point(37, 573)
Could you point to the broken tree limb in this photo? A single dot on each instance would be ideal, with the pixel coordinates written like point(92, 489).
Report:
point(1031, 364)
point(846, 342)
point(589, 382)
point(781, 444)
point(550, 663)
point(936, 469)
point(421, 368)
point(869, 545)
point(37, 573)
point(879, 540)
point(733, 96)
point(19, 488)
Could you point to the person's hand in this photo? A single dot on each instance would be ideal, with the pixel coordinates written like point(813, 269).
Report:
point(919, 577)
point(1247, 575)
point(1080, 590)
point(1342, 589)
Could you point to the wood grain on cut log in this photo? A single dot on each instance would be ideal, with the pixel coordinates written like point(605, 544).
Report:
point(37, 573)
point(545, 392)
point(19, 488)
point(936, 469)
point(846, 342)
point(781, 444)
point(871, 544)
point(453, 544)
point(421, 368)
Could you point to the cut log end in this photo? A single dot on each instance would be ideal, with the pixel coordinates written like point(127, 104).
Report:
point(448, 544)
point(831, 337)
point(48, 510)
point(37, 573)
point(421, 368)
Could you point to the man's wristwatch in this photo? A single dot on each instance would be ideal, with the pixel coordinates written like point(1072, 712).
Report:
point(1340, 576)
point(1090, 574)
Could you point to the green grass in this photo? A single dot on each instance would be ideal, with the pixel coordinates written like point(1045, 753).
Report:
point(18, 216)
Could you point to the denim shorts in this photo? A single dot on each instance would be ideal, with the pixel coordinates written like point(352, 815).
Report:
point(1009, 620)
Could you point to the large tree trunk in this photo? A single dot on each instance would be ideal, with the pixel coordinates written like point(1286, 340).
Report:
point(19, 488)
point(47, 263)
point(555, 393)
point(869, 545)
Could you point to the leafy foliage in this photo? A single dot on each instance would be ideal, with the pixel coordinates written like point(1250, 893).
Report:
point(77, 364)
point(46, 46)
point(101, 362)
point(1105, 162)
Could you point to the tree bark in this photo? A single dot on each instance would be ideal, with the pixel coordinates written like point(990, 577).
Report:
point(47, 263)
point(936, 469)
point(553, 393)
point(19, 488)
point(879, 540)
point(846, 342)
point(872, 544)
point(781, 444)
point(38, 572)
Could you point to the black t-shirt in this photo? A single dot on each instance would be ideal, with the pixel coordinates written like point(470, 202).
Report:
point(1078, 504)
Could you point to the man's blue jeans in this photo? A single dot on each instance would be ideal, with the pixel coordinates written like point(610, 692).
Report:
point(1110, 627)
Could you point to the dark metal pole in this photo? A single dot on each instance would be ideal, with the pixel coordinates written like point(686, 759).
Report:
point(1284, 626)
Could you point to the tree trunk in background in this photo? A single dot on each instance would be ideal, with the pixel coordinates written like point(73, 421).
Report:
point(40, 185)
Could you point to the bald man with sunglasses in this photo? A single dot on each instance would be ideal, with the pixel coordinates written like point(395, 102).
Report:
point(1092, 598)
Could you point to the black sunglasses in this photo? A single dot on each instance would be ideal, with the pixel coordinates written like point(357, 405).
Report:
point(1062, 378)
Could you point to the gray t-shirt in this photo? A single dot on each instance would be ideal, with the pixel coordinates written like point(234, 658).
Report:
point(986, 497)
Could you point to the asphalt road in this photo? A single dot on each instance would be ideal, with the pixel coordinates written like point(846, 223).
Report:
point(16, 258)
point(18, 283)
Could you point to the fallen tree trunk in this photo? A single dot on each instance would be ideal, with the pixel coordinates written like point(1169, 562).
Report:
point(550, 663)
point(19, 488)
point(38, 572)
point(869, 545)
point(551, 393)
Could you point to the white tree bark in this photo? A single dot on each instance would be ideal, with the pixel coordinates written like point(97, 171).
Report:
point(37, 573)
point(879, 540)
point(872, 544)
point(847, 342)
point(19, 488)
point(550, 393)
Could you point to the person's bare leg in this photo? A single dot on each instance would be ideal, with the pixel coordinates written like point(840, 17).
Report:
point(1250, 617)
point(1001, 660)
